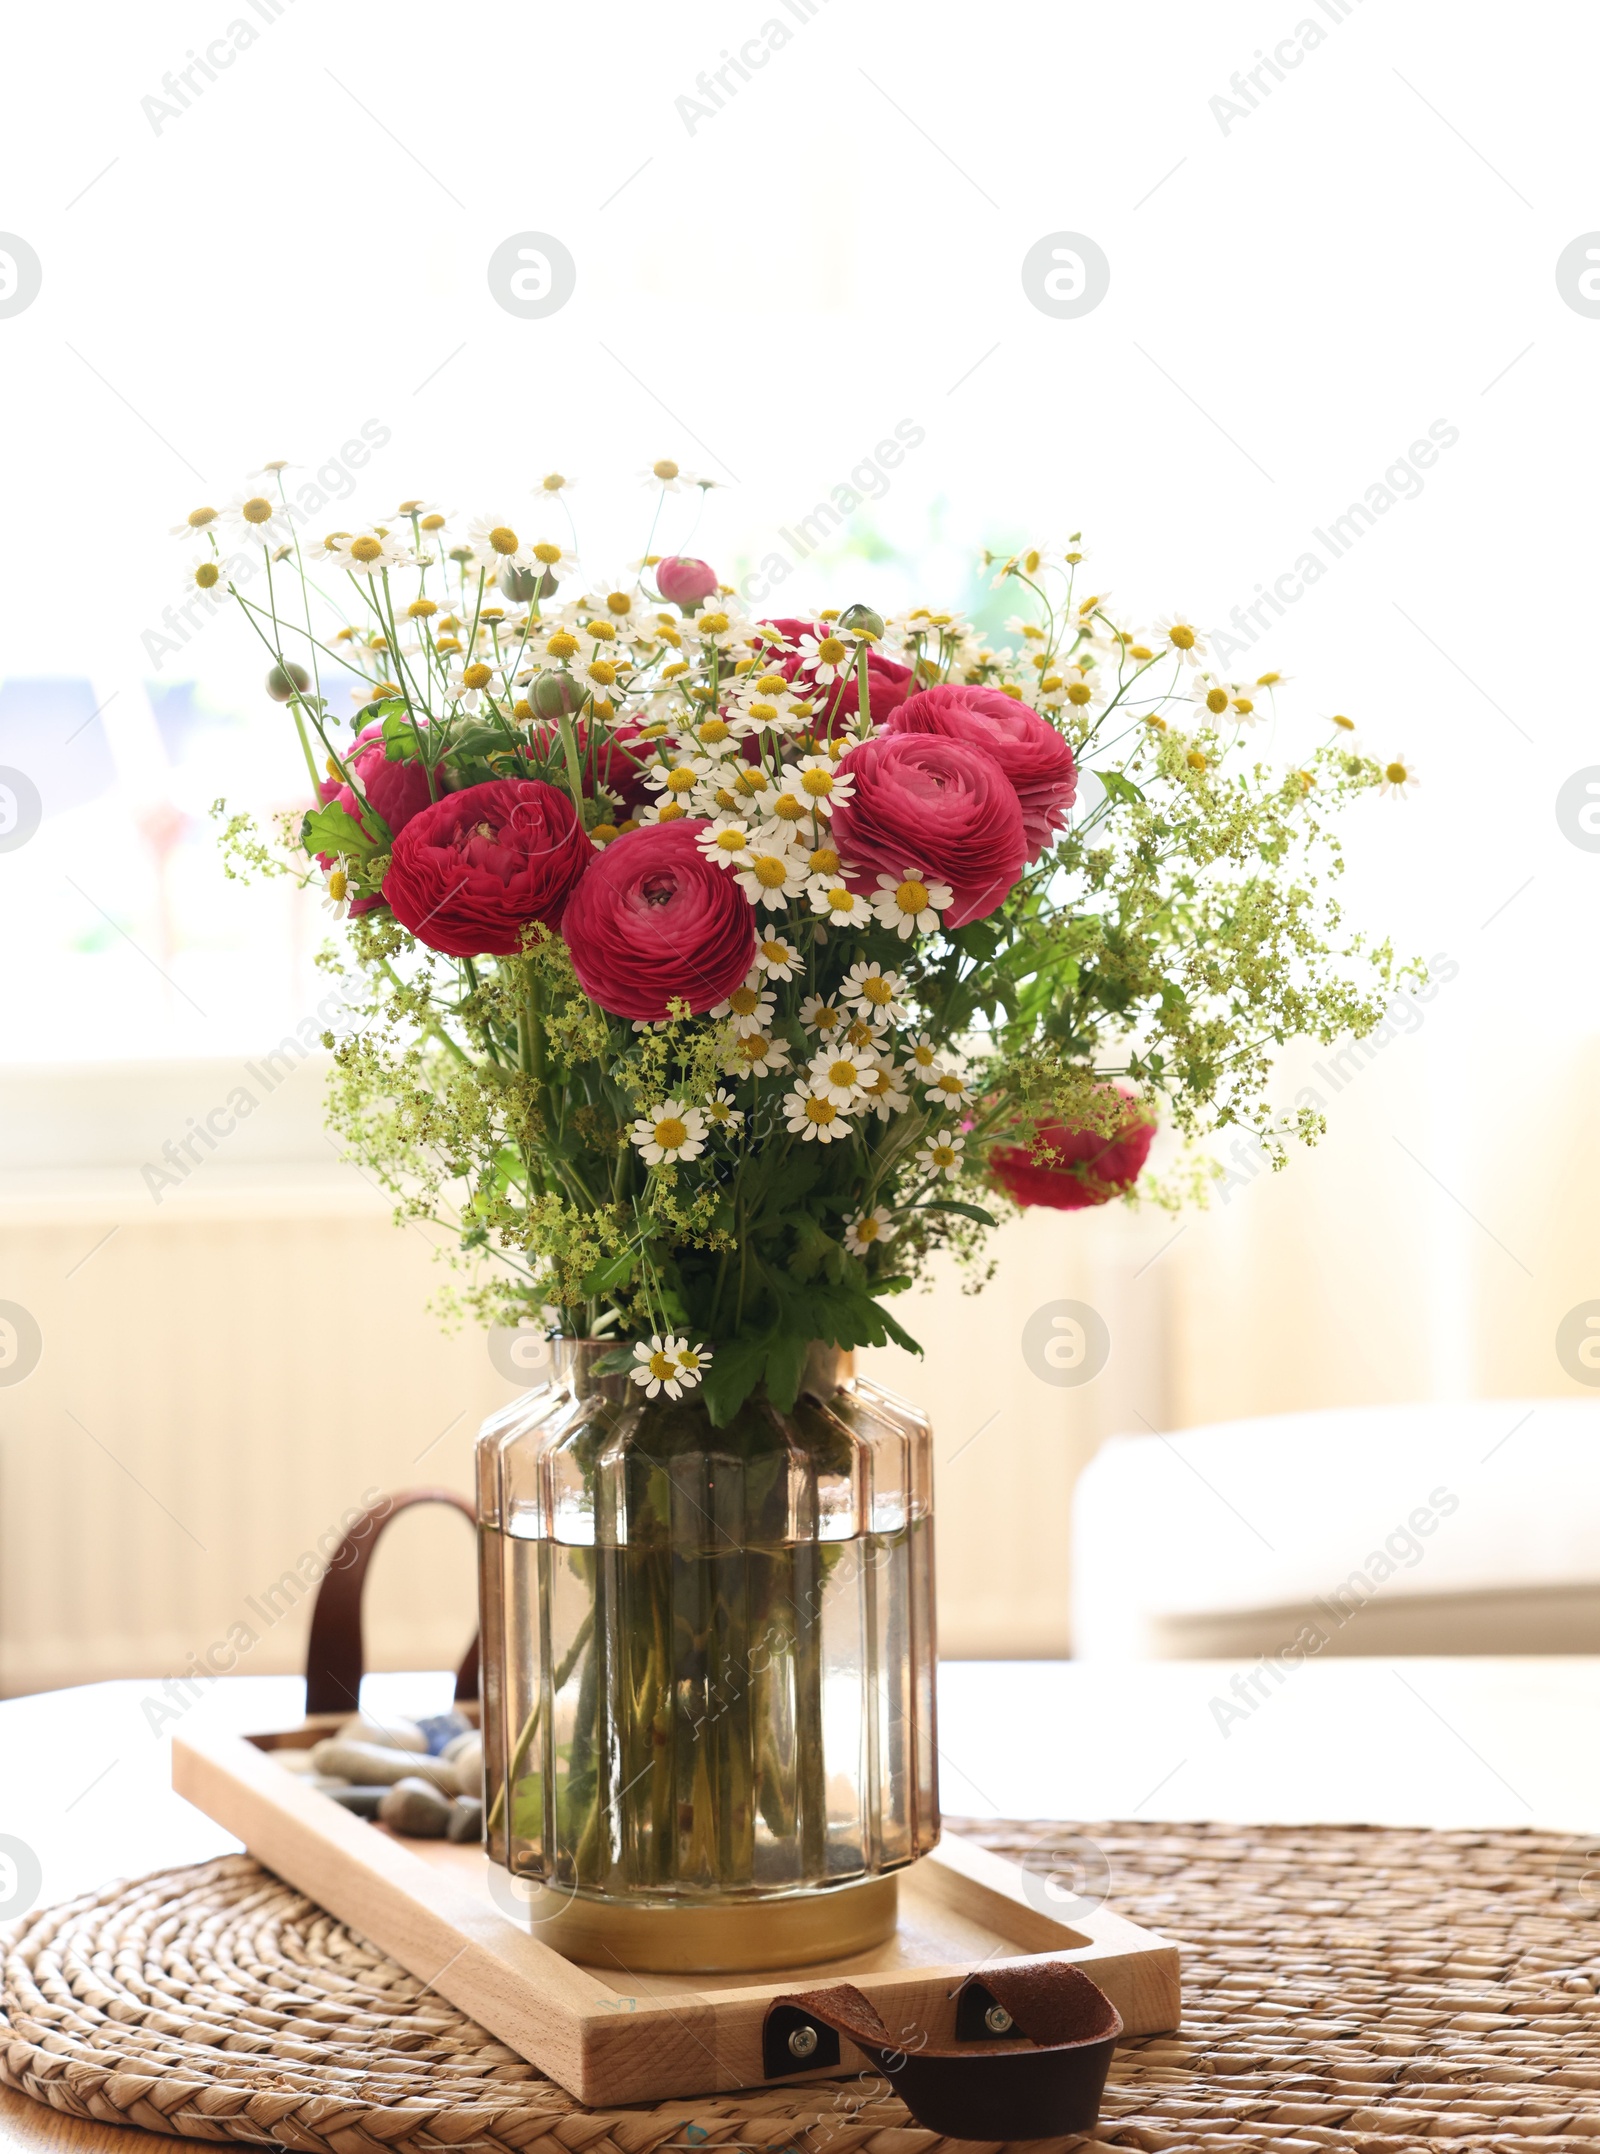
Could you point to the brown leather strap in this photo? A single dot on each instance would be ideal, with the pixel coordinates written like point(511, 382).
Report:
point(1033, 2046)
point(335, 1660)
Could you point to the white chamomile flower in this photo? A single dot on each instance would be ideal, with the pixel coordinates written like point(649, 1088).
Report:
point(1400, 777)
point(726, 840)
point(838, 903)
point(254, 520)
point(777, 958)
point(554, 486)
point(948, 1087)
point(750, 1006)
point(821, 784)
point(868, 1231)
point(499, 543)
point(372, 553)
point(940, 1153)
point(665, 811)
point(1210, 695)
point(841, 1073)
point(766, 704)
point(329, 548)
point(812, 1116)
point(204, 575)
point(825, 658)
point(1179, 635)
point(199, 523)
point(772, 873)
point(668, 1364)
point(910, 904)
point(678, 778)
point(337, 900)
point(1081, 686)
point(886, 1092)
point(757, 1054)
point(876, 994)
point(1031, 563)
point(923, 1057)
point(670, 1132)
point(553, 558)
point(671, 477)
point(467, 688)
point(715, 624)
point(821, 1016)
point(721, 1112)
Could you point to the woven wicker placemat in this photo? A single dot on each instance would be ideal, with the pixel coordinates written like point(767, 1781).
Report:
point(1345, 1987)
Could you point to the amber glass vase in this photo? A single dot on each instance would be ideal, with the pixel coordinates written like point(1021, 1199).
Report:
point(708, 1663)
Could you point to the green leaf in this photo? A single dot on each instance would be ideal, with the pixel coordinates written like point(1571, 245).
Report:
point(615, 1271)
point(734, 1373)
point(786, 1361)
point(949, 1204)
point(333, 829)
point(1118, 786)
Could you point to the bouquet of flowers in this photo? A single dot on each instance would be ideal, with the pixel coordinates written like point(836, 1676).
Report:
point(708, 975)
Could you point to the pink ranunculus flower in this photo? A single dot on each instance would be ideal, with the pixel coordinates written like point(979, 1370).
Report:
point(940, 807)
point(1034, 756)
point(684, 581)
point(468, 874)
point(888, 682)
point(1068, 1168)
point(655, 922)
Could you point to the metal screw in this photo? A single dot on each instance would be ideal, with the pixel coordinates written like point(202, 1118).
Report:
point(998, 2020)
point(803, 2041)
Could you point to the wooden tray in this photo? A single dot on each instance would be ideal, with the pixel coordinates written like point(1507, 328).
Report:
point(612, 2037)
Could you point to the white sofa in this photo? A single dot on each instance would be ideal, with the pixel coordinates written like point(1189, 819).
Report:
point(1440, 1528)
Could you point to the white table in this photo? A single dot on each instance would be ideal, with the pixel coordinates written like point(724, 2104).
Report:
point(1448, 1743)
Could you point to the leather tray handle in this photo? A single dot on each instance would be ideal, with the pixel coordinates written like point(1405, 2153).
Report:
point(1032, 2050)
point(335, 1660)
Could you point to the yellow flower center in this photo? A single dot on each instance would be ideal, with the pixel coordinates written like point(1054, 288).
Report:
point(448, 643)
point(821, 1111)
point(477, 676)
point(729, 841)
point(752, 781)
point(711, 732)
point(754, 1047)
point(199, 518)
point(818, 783)
point(827, 1019)
point(745, 1001)
point(605, 832)
point(365, 549)
point(681, 781)
point(663, 1365)
point(1348, 724)
point(922, 1057)
point(1243, 705)
point(1079, 692)
point(1268, 680)
point(338, 884)
point(771, 872)
point(257, 510)
point(1180, 637)
point(843, 1073)
point(875, 988)
point(670, 1133)
point(831, 649)
point(1395, 773)
point(842, 901)
point(824, 861)
point(949, 1082)
point(670, 810)
point(552, 482)
point(547, 553)
point(562, 645)
point(1031, 560)
point(1216, 701)
point(777, 953)
point(602, 671)
point(664, 470)
point(602, 631)
point(1195, 760)
point(420, 608)
point(433, 523)
point(912, 896)
point(618, 602)
point(1141, 651)
point(763, 713)
point(688, 1358)
point(772, 684)
point(788, 809)
point(880, 1084)
point(712, 624)
point(867, 1230)
point(207, 574)
point(943, 1156)
point(503, 539)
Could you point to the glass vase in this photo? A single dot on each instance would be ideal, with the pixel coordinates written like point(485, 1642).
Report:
point(708, 1664)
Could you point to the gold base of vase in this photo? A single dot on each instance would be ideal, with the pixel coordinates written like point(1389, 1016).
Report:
point(725, 1936)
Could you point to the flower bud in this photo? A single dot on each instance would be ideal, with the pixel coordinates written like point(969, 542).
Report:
point(685, 582)
point(555, 694)
point(287, 680)
point(861, 621)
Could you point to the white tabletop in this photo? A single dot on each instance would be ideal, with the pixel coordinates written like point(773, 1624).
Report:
point(1449, 1743)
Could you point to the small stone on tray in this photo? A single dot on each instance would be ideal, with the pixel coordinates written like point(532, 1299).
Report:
point(396, 1734)
point(416, 1808)
point(361, 1802)
point(466, 1819)
point(374, 1764)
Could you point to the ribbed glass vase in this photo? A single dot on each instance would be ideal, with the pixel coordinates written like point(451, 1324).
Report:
point(708, 1655)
